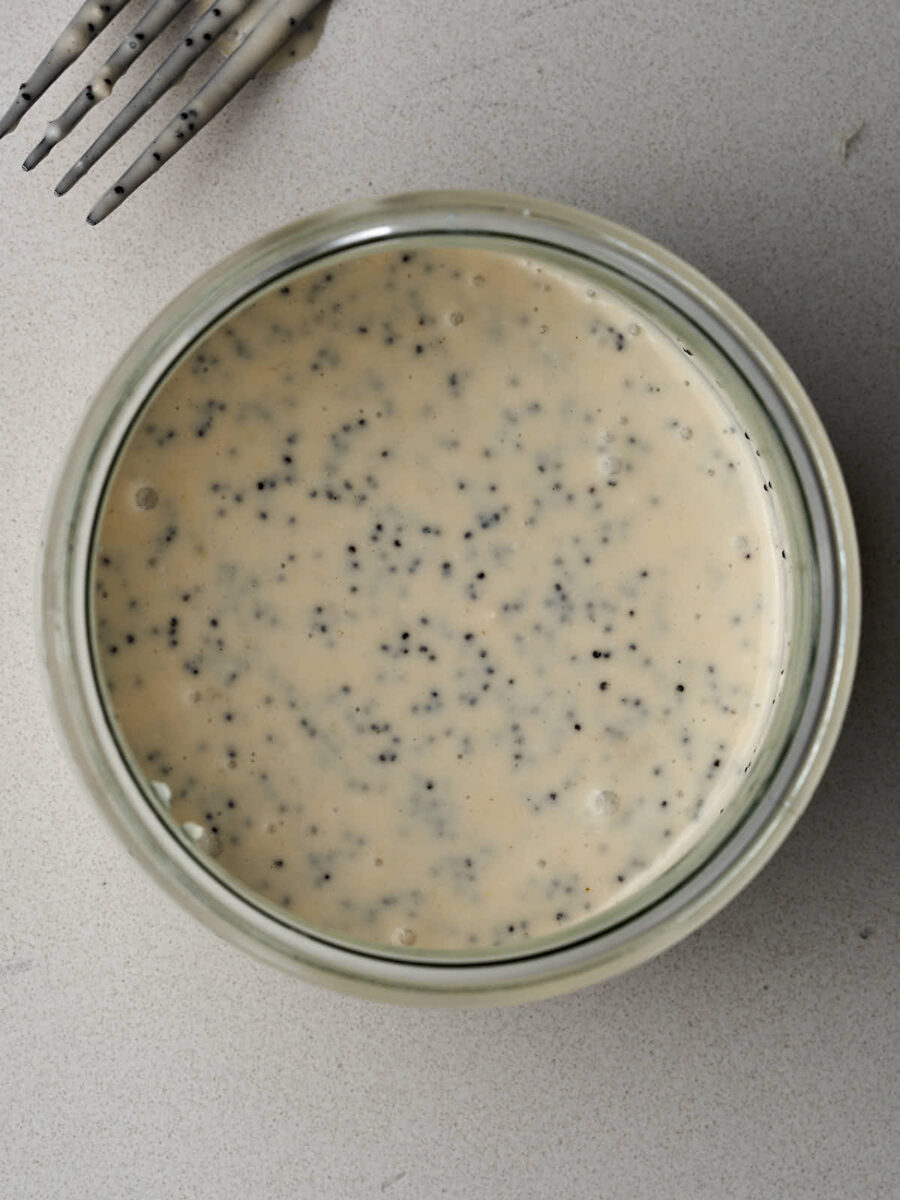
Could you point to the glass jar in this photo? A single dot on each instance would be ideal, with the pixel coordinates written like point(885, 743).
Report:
point(822, 583)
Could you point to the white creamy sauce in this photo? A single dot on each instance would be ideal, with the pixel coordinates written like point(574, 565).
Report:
point(300, 46)
point(441, 591)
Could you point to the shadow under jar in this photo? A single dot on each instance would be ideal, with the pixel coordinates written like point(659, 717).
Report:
point(451, 598)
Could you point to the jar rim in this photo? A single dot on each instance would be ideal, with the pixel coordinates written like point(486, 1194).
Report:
point(231, 911)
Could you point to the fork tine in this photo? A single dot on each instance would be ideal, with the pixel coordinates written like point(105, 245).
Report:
point(90, 20)
point(197, 41)
point(150, 26)
point(264, 40)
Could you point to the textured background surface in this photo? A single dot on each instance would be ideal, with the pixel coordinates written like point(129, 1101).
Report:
point(140, 1056)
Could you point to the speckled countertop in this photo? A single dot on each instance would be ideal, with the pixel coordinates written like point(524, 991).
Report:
point(141, 1057)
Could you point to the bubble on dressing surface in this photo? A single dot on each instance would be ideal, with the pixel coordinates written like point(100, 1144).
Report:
point(604, 802)
point(162, 792)
point(204, 839)
point(404, 937)
point(146, 498)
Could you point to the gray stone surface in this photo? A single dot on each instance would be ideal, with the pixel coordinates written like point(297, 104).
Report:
point(140, 1056)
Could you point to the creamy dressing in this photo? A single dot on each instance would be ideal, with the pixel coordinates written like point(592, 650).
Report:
point(300, 46)
point(438, 593)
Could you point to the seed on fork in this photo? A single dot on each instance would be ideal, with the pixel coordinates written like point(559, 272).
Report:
point(197, 41)
point(275, 22)
point(264, 40)
point(90, 20)
point(153, 22)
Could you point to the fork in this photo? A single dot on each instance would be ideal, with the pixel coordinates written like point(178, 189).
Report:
point(278, 21)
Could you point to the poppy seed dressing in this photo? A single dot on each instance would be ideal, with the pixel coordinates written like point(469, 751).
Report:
point(438, 593)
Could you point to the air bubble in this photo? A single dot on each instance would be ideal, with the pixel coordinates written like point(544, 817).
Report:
point(162, 791)
point(146, 497)
point(202, 838)
point(604, 802)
